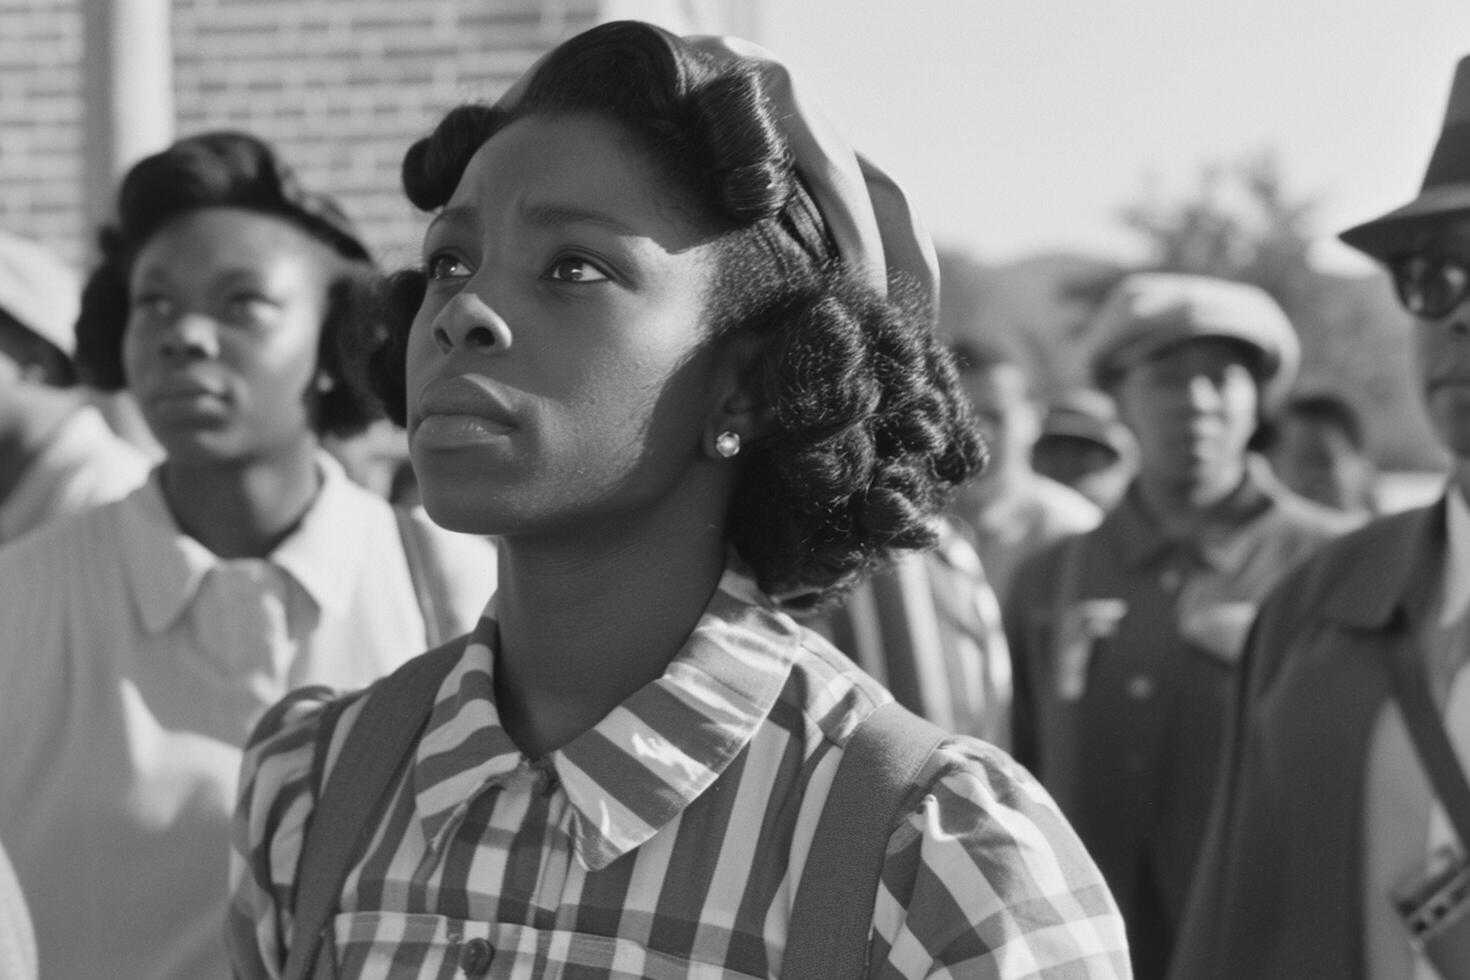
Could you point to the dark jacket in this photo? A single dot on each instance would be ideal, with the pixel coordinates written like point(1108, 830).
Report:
point(1147, 632)
point(1279, 888)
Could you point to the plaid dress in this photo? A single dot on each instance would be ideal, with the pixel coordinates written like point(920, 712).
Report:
point(667, 841)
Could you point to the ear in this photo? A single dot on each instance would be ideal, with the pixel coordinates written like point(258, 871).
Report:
point(737, 403)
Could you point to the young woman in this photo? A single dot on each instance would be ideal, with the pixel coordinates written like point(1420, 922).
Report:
point(654, 346)
point(139, 642)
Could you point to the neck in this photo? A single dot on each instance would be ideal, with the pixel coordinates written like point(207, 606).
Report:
point(585, 620)
point(243, 510)
point(1183, 506)
point(31, 415)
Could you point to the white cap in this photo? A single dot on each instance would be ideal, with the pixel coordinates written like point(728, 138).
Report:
point(40, 291)
point(1149, 311)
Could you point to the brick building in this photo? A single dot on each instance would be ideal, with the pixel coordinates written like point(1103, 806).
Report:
point(341, 86)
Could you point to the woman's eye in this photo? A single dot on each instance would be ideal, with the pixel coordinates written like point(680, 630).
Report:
point(572, 269)
point(247, 306)
point(446, 266)
point(152, 304)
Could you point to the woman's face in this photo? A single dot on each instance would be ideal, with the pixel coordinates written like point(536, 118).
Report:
point(221, 342)
point(1193, 408)
point(559, 370)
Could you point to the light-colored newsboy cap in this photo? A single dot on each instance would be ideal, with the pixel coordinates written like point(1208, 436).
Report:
point(1149, 311)
point(39, 291)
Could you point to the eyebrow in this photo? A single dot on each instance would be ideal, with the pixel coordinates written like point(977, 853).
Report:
point(461, 214)
point(538, 215)
point(556, 215)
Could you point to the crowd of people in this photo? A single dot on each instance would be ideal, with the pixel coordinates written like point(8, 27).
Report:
point(725, 620)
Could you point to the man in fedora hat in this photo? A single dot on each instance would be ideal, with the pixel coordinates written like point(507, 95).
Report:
point(1330, 840)
point(57, 454)
point(1125, 639)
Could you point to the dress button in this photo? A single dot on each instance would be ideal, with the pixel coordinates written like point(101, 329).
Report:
point(475, 958)
point(1140, 687)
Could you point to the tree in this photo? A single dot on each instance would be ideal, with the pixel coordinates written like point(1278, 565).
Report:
point(1242, 222)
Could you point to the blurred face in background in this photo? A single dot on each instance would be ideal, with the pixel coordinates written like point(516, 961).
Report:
point(221, 342)
point(1011, 421)
point(1318, 460)
point(1193, 408)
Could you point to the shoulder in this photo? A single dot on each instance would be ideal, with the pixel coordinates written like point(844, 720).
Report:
point(987, 866)
point(87, 536)
point(1310, 518)
point(1343, 558)
point(277, 791)
point(1361, 571)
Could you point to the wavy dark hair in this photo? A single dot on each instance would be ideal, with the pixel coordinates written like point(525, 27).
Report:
point(870, 432)
point(229, 169)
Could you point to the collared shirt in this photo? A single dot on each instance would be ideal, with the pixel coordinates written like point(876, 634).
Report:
point(1125, 642)
point(134, 663)
point(668, 840)
point(929, 629)
point(84, 463)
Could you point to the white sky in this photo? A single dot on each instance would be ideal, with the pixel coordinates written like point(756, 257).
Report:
point(1024, 125)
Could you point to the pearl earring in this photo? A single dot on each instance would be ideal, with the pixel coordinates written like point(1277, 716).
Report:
point(727, 443)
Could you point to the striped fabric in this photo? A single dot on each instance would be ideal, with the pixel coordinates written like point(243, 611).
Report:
point(929, 628)
point(667, 841)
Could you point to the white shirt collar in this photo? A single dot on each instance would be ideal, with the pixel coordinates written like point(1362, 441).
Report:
point(166, 567)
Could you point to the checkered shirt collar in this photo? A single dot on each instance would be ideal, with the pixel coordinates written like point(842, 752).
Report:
point(643, 764)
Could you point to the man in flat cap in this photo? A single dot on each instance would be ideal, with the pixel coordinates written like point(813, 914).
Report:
point(1338, 845)
point(1125, 639)
point(57, 454)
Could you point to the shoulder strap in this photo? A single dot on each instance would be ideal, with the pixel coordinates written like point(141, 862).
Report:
point(876, 782)
point(1426, 729)
point(374, 752)
point(427, 576)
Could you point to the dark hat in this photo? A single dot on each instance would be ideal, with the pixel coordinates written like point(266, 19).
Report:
point(1150, 311)
point(1446, 189)
point(1091, 416)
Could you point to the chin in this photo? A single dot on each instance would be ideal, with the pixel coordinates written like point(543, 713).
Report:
point(455, 514)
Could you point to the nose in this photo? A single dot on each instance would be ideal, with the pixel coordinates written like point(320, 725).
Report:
point(467, 323)
point(189, 336)
point(1203, 391)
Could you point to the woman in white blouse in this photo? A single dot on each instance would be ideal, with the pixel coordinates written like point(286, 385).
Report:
point(139, 642)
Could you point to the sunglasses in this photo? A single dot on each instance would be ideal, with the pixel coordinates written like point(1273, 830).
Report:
point(1428, 285)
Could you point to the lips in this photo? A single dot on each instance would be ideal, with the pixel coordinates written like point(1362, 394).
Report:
point(185, 388)
point(460, 410)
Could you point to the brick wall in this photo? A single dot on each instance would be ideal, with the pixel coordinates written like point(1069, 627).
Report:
point(40, 121)
point(342, 87)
